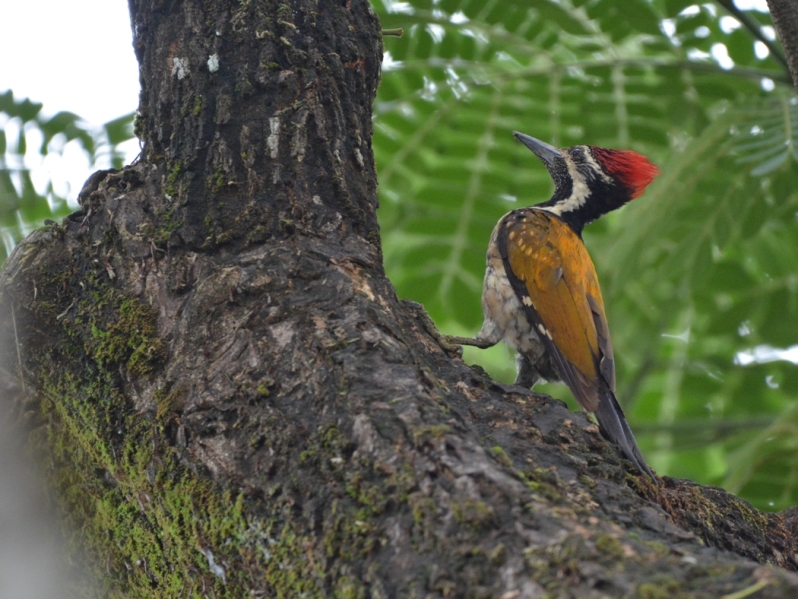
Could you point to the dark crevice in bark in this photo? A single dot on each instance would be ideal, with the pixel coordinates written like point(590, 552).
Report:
point(231, 398)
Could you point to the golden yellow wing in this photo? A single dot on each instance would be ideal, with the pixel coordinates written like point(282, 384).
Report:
point(554, 277)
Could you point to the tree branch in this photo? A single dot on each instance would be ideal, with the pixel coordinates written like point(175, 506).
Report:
point(749, 23)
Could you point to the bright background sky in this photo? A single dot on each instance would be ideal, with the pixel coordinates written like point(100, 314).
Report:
point(74, 56)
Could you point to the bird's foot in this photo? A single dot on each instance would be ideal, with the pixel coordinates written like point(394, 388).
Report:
point(449, 344)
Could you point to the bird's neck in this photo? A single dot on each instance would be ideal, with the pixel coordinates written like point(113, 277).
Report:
point(578, 204)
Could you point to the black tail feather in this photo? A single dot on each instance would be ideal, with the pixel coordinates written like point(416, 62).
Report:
point(613, 426)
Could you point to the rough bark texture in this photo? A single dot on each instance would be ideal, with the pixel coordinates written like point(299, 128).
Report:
point(785, 21)
point(230, 401)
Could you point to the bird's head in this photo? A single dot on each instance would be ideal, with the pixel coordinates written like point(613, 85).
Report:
point(590, 181)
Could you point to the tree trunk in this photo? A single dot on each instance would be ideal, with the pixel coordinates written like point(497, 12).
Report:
point(229, 400)
point(785, 21)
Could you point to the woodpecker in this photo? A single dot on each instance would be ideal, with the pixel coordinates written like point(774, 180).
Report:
point(541, 294)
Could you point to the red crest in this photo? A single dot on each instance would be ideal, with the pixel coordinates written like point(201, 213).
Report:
point(631, 169)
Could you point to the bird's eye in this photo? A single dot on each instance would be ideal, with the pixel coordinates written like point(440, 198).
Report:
point(576, 153)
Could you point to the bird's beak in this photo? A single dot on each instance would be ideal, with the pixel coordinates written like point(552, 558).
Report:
point(548, 154)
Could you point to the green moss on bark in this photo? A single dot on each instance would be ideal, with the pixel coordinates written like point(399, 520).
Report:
point(152, 524)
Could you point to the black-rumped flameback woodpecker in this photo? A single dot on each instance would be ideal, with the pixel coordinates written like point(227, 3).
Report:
point(541, 294)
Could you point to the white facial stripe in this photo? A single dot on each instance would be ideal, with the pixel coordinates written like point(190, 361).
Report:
point(579, 192)
point(597, 167)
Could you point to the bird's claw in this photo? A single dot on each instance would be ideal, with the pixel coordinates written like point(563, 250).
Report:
point(448, 343)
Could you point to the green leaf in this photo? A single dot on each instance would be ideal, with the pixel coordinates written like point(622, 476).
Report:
point(771, 164)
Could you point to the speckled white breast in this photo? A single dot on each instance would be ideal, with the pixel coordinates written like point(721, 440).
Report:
point(504, 316)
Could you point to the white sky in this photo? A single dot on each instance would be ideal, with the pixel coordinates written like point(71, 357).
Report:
point(75, 56)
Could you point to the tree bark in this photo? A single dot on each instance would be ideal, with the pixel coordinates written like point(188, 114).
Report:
point(785, 21)
point(229, 400)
